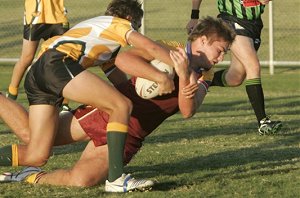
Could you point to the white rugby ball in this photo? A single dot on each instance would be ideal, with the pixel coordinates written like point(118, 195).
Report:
point(148, 89)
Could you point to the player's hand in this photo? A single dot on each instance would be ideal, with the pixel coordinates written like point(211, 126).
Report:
point(190, 90)
point(190, 26)
point(181, 63)
point(166, 85)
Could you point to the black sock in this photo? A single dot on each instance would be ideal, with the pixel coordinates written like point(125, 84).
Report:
point(256, 97)
point(219, 78)
point(9, 155)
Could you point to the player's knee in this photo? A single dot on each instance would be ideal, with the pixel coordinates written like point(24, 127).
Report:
point(129, 105)
point(123, 106)
point(236, 83)
point(36, 160)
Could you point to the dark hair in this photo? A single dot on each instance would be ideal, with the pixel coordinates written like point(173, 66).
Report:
point(214, 29)
point(125, 8)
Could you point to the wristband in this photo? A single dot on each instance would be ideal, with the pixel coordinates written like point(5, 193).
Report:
point(195, 14)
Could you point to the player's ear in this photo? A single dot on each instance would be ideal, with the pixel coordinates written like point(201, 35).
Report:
point(204, 39)
point(129, 18)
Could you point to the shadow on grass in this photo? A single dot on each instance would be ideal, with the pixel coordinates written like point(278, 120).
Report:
point(241, 163)
point(223, 106)
point(192, 132)
point(165, 186)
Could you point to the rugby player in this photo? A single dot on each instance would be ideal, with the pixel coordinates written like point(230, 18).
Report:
point(245, 18)
point(42, 20)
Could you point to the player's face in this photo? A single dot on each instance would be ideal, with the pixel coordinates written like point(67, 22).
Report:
point(206, 54)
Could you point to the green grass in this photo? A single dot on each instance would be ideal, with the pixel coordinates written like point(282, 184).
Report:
point(217, 153)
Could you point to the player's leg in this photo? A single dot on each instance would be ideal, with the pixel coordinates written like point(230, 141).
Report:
point(235, 74)
point(89, 170)
point(243, 50)
point(43, 121)
point(230, 77)
point(28, 52)
point(92, 90)
point(94, 159)
point(69, 130)
point(16, 117)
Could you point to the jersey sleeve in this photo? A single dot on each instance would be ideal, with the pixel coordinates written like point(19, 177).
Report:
point(117, 31)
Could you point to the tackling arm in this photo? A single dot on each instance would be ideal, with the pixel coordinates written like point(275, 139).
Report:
point(135, 63)
point(152, 48)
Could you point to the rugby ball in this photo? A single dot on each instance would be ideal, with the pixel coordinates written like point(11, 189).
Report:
point(148, 89)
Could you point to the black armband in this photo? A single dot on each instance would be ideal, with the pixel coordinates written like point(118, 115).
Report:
point(195, 14)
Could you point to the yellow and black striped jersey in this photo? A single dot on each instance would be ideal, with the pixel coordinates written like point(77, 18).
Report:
point(92, 42)
point(44, 11)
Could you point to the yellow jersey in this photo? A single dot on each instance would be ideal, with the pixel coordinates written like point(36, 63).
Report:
point(92, 42)
point(44, 11)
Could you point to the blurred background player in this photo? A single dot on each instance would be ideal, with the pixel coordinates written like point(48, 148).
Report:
point(43, 19)
point(206, 46)
point(245, 18)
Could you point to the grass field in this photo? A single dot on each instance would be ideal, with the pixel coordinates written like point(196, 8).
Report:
point(217, 153)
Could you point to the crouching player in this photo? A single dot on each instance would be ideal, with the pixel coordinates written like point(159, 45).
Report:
point(206, 46)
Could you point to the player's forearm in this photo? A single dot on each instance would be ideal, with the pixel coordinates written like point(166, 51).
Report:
point(196, 4)
point(137, 66)
point(186, 106)
point(150, 47)
point(186, 97)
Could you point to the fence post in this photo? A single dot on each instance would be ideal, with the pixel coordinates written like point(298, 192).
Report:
point(271, 40)
point(142, 29)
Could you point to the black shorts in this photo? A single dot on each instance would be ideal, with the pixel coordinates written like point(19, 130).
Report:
point(37, 32)
point(249, 28)
point(48, 76)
